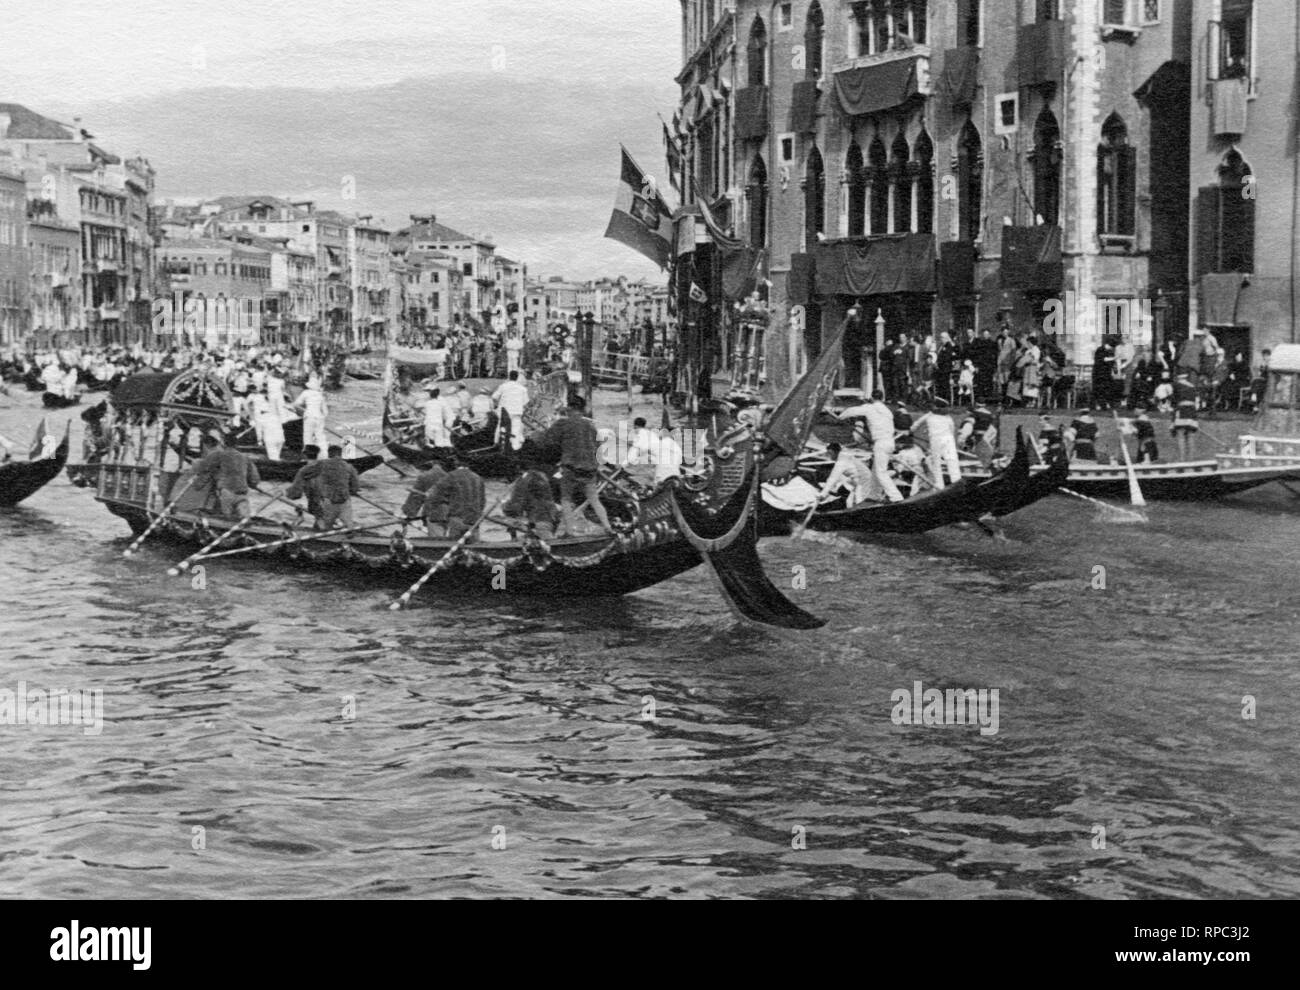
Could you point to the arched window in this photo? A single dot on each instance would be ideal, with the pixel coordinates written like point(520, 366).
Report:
point(856, 172)
point(814, 198)
point(901, 181)
point(1047, 167)
point(924, 184)
point(758, 204)
point(878, 162)
point(1116, 180)
point(814, 40)
point(970, 183)
point(757, 53)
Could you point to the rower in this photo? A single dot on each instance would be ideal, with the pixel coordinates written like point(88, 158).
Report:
point(880, 424)
point(848, 475)
point(1148, 452)
point(532, 506)
point(902, 418)
point(977, 428)
point(416, 505)
point(439, 416)
point(228, 476)
point(1084, 428)
point(512, 396)
point(334, 481)
point(1185, 425)
point(1050, 437)
point(456, 504)
point(935, 429)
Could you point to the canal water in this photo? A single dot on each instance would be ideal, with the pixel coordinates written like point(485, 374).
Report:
point(273, 735)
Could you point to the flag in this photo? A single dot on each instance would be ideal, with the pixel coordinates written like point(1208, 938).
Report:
point(666, 424)
point(697, 294)
point(641, 219)
point(792, 420)
point(673, 154)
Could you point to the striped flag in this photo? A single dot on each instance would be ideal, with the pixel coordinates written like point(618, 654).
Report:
point(673, 153)
point(641, 219)
point(697, 294)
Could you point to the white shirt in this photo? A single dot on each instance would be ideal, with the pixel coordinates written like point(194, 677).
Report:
point(480, 407)
point(436, 414)
point(313, 404)
point(848, 473)
point(880, 421)
point(513, 398)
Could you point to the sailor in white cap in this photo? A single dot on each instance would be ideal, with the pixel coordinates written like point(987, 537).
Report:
point(439, 415)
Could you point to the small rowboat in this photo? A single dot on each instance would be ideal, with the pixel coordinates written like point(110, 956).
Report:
point(22, 479)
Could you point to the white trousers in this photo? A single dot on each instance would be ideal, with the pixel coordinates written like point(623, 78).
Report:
point(313, 432)
point(943, 452)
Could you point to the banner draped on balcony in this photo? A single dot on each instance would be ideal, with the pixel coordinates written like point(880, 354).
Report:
point(751, 113)
point(721, 238)
point(961, 72)
point(956, 269)
point(876, 87)
point(740, 273)
point(1040, 52)
point(1031, 258)
point(1219, 295)
point(803, 110)
point(1228, 114)
point(877, 267)
point(803, 270)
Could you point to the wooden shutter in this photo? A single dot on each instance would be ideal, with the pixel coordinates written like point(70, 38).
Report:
point(1126, 181)
point(1207, 230)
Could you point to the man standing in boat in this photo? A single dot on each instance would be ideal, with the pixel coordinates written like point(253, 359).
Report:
point(1185, 423)
point(334, 482)
point(1084, 430)
point(228, 476)
point(575, 435)
point(314, 410)
point(512, 396)
point(935, 430)
point(439, 417)
point(880, 425)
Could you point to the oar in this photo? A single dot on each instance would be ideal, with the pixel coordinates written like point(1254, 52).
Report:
point(367, 450)
point(1108, 506)
point(380, 507)
point(414, 589)
point(298, 538)
point(185, 564)
point(167, 510)
point(1134, 489)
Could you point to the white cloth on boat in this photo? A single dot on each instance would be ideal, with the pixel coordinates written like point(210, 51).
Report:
point(796, 495)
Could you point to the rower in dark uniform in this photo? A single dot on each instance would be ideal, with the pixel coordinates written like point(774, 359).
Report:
point(1148, 452)
point(1050, 436)
point(1085, 436)
point(978, 427)
point(1185, 423)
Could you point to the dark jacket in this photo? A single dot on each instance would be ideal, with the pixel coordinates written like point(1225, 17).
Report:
point(417, 501)
point(227, 470)
point(532, 500)
point(334, 480)
point(576, 437)
point(460, 495)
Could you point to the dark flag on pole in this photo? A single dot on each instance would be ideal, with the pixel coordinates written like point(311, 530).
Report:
point(792, 420)
point(673, 155)
point(641, 219)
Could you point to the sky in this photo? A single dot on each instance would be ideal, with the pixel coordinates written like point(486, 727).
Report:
point(59, 56)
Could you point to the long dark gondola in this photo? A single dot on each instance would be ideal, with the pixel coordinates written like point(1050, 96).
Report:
point(291, 457)
point(666, 534)
point(483, 451)
point(22, 479)
point(52, 400)
point(966, 500)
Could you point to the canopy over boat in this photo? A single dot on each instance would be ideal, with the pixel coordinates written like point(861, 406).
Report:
point(187, 395)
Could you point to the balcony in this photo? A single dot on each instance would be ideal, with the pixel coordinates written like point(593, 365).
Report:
point(872, 83)
point(109, 311)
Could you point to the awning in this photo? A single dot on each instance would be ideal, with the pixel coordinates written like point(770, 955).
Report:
point(877, 267)
point(871, 88)
point(956, 269)
point(803, 272)
point(961, 71)
point(1031, 258)
point(1040, 52)
point(751, 113)
point(803, 109)
point(1218, 295)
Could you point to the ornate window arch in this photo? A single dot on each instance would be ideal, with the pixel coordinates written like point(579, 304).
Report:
point(900, 181)
point(814, 40)
point(923, 153)
point(970, 183)
point(878, 173)
point(1116, 180)
point(758, 203)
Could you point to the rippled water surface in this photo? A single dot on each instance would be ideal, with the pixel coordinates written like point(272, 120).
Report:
point(522, 720)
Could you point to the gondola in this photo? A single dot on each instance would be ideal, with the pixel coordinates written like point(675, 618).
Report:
point(22, 479)
point(291, 456)
point(672, 531)
point(1194, 481)
point(52, 400)
point(481, 450)
point(965, 500)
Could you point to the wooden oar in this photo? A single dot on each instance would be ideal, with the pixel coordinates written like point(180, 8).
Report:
point(1119, 510)
point(414, 589)
point(185, 564)
point(167, 510)
point(299, 538)
point(380, 507)
point(1134, 489)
